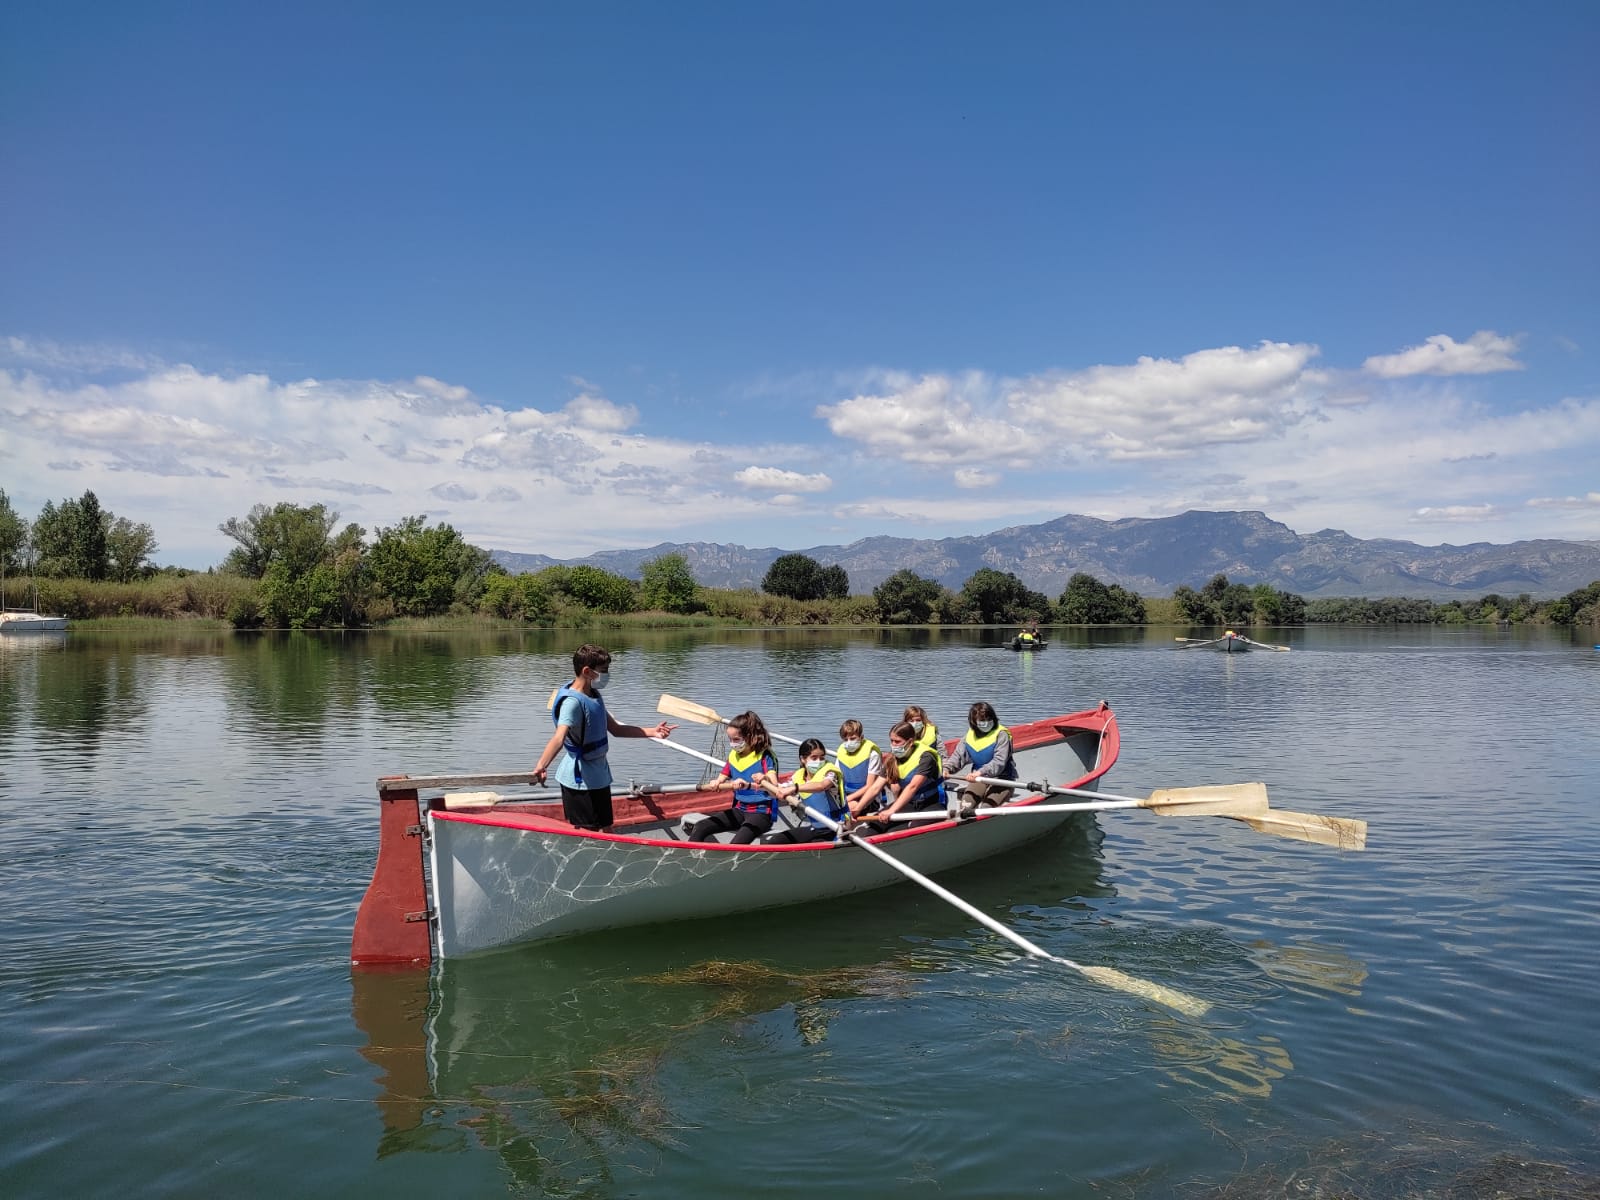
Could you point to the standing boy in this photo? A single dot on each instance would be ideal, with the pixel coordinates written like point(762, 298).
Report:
point(582, 723)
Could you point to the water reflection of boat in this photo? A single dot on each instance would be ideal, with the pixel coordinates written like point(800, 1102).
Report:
point(33, 640)
point(519, 873)
point(552, 1055)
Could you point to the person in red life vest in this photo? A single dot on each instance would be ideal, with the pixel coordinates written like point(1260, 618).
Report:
point(817, 786)
point(582, 724)
point(984, 751)
point(751, 774)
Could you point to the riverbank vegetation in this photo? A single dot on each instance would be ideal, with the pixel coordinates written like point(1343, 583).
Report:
point(293, 566)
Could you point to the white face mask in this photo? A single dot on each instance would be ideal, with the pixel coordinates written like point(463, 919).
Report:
point(815, 764)
point(852, 745)
point(984, 726)
point(900, 751)
point(599, 682)
point(917, 725)
point(735, 743)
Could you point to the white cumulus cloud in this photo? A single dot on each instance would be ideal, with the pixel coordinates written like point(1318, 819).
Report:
point(775, 479)
point(1588, 500)
point(1481, 354)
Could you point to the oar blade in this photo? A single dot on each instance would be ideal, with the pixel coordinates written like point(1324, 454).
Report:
point(1147, 989)
point(1217, 800)
point(687, 710)
point(1345, 833)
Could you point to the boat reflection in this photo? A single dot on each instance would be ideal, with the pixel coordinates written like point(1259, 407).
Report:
point(551, 1057)
point(555, 1056)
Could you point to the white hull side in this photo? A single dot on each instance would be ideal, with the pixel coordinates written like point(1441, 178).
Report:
point(494, 885)
point(31, 623)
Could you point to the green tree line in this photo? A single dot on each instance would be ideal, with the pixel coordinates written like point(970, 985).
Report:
point(294, 566)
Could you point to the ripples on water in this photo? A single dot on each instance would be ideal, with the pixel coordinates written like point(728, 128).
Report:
point(192, 825)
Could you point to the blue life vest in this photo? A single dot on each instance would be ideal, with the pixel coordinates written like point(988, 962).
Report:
point(853, 767)
point(578, 742)
point(744, 765)
point(981, 747)
point(830, 802)
point(932, 789)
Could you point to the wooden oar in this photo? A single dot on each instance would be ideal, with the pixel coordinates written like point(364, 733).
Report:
point(1347, 833)
point(1267, 646)
point(688, 710)
point(1342, 832)
point(1213, 800)
point(1245, 802)
point(1189, 1005)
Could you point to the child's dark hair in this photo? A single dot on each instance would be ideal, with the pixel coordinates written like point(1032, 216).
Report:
point(981, 711)
point(809, 747)
point(851, 728)
point(903, 731)
point(588, 655)
point(754, 731)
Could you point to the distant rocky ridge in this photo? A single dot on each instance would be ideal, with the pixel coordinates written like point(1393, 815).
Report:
point(1152, 556)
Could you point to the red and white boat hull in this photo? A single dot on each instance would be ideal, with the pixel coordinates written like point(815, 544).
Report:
point(501, 876)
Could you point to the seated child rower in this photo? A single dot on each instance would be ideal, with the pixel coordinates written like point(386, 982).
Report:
point(919, 780)
point(985, 752)
point(751, 774)
point(927, 732)
point(861, 765)
point(817, 786)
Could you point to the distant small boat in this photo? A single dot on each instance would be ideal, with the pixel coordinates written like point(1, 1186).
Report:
point(26, 620)
point(1228, 643)
point(1023, 642)
point(30, 622)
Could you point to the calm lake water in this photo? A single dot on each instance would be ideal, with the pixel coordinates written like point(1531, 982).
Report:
point(192, 821)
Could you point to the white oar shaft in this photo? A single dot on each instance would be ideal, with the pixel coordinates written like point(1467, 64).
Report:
point(1020, 810)
point(1109, 976)
point(949, 897)
point(692, 753)
point(1124, 801)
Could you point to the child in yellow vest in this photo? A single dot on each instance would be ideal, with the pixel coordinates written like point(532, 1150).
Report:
point(751, 774)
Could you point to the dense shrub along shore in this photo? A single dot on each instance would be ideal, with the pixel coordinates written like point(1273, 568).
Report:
point(293, 568)
point(537, 599)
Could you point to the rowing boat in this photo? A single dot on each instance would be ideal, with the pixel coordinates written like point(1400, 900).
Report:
point(1022, 643)
point(452, 881)
point(1229, 643)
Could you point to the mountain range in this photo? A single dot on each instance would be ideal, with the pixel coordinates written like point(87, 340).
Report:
point(1152, 556)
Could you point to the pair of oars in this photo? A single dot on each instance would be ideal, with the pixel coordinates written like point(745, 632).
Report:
point(1191, 1006)
point(1198, 643)
point(1243, 802)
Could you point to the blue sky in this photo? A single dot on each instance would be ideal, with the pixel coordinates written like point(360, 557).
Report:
point(588, 276)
